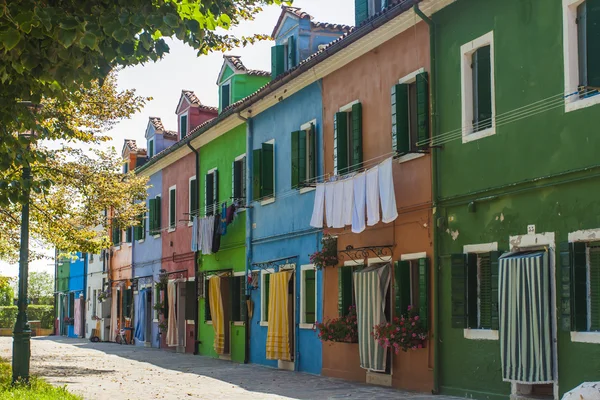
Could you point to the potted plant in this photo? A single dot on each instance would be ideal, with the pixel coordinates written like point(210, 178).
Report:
point(327, 256)
point(403, 333)
point(342, 329)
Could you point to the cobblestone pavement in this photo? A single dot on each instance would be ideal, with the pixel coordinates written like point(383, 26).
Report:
point(118, 372)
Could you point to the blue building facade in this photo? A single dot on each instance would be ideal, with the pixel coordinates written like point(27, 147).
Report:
point(77, 295)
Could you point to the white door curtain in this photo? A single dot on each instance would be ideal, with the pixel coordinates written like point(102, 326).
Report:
point(356, 199)
point(525, 318)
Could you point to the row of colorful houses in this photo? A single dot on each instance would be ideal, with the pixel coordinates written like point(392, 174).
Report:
point(465, 127)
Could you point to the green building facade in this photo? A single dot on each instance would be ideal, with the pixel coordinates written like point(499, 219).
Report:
point(517, 170)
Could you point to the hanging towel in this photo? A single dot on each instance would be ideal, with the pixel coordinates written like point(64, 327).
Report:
point(338, 204)
point(278, 331)
point(358, 209)
point(195, 234)
point(373, 196)
point(172, 333)
point(329, 203)
point(348, 200)
point(216, 313)
point(524, 311)
point(207, 228)
point(231, 213)
point(77, 317)
point(386, 192)
point(140, 316)
point(216, 242)
point(316, 220)
point(370, 288)
point(223, 219)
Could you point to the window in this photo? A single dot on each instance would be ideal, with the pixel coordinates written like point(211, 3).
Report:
point(188, 290)
point(211, 192)
point(207, 316)
point(475, 290)
point(125, 168)
point(265, 278)
point(91, 258)
point(225, 96)
point(238, 178)
point(583, 270)
point(150, 148)
point(345, 290)
point(308, 296)
point(238, 298)
point(347, 152)
point(154, 215)
point(477, 81)
point(156, 301)
point(183, 125)
point(193, 196)
point(128, 234)
point(365, 9)
point(411, 287)
point(304, 160)
point(94, 302)
point(283, 57)
point(140, 229)
point(264, 171)
point(410, 113)
point(172, 208)
point(581, 20)
point(116, 233)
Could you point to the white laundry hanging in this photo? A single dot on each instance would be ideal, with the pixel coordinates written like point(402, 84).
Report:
point(316, 220)
point(358, 209)
point(348, 200)
point(389, 212)
point(372, 196)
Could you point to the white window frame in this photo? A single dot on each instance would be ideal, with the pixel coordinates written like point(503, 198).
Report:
point(187, 124)
point(271, 199)
point(151, 154)
point(190, 223)
point(571, 58)
point(409, 79)
point(586, 235)
point(238, 158)
point(466, 78)
point(209, 172)
point(303, 269)
point(226, 82)
point(172, 226)
point(306, 127)
point(476, 333)
point(264, 273)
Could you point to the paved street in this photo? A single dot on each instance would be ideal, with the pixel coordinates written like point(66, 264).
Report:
point(111, 371)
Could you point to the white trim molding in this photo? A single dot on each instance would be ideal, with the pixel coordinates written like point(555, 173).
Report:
point(348, 107)
point(480, 248)
point(413, 256)
point(263, 273)
point(585, 337)
point(585, 235)
point(412, 77)
point(481, 334)
point(377, 260)
point(306, 126)
point(466, 53)
point(308, 267)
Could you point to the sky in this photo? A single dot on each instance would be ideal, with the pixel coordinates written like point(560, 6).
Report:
point(183, 69)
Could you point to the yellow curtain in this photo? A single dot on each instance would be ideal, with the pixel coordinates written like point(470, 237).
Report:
point(172, 334)
point(216, 313)
point(278, 333)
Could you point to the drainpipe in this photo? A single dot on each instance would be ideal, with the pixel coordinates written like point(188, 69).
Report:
point(85, 293)
point(249, 194)
point(434, 195)
point(196, 322)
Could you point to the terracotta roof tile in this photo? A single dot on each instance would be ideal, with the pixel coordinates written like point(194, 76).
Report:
point(297, 12)
point(237, 63)
point(130, 143)
point(170, 135)
point(157, 123)
point(191, 96)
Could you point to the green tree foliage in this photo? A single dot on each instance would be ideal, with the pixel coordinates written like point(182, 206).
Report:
point(50, 49)
point(40, 288)
point(6, 291)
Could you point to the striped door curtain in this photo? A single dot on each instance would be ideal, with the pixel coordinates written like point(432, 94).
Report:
point(140, 316)
point(217, 313)
point(525, 318)
point(370, 289)
point(278, 331)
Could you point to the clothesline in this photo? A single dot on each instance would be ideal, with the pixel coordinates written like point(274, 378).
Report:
point(207, 231)
point(356, 199)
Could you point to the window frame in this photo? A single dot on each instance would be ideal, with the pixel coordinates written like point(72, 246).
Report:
point(263, 274)
point(347, 108)
point(172, 224)
point(150, 231)
point(223, 84)
point(303, 324)
point(153, 148)
point(271, 199)
point(480, 334)
point(242, 275)
point(414, 153)
point(190, 211)
point(466, 77)
point(307, 128)
point(206, 203)
point(243, 181)
point(187, 124)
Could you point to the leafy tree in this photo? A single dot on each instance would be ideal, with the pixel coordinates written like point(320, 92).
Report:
point(6, 291)
point(50, 49)
point(40, 288)
point(71, 189)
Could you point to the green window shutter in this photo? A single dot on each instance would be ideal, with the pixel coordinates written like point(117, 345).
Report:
point(277, 60)
point(340, 127)
point(566, 322)
point(158, 213)
point(579, 286)
point(267, 177)
point(267, 290)
point(344, 290)
point(291, 47)
point(172, 208)
point(357, 152)
point(295, 155)
point(485, 291)
point(225, 100)
point(400, 120)
point(310, 293)
point(194, 197)
point(361, 11)
point(151, 148)
point(137, 231)
point(458, 265)
point(243, 306)
point(183, 126)
point(128, 234)
point(302, 157)
point(495, 276)
point(256, 173)
point(191, 301)
point(424, 291)
point(207, 316)
point(401, 287)
point(595, 289)
point(152, 215)
point(423, 107)
point(482, 89)
point(208, 193)
point(312, 153)
point(592, 41)
point(472, 291)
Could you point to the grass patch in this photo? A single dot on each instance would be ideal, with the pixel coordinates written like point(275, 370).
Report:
point(37, 390)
